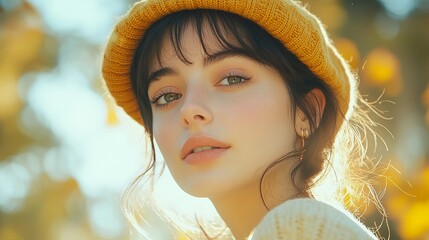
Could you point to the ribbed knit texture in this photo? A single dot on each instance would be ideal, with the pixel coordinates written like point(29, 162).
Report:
point(299, 30)
point(309, 219)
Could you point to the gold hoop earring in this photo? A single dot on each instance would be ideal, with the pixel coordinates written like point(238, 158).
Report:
point(304, 135)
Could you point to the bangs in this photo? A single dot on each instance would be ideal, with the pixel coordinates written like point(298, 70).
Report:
point(226, 31)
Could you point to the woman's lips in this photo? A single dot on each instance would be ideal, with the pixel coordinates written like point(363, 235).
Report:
point(204, 156)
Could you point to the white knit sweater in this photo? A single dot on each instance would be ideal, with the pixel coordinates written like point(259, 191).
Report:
point(308, 219)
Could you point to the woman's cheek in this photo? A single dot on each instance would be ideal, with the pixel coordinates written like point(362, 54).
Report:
point(248, 109)
point(165, 134)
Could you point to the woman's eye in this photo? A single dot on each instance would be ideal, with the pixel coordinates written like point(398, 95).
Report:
point(166, 98)
point(232, 80)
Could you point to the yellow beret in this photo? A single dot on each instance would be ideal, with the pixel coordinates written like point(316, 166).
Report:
point(299, 30)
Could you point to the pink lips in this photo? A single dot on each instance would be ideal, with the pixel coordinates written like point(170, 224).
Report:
point(204, 156)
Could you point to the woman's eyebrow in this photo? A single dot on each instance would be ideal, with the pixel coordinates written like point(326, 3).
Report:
point(221, 55)
point(161, 73)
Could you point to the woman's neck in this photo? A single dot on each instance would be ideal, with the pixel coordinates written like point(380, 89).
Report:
point(243, 208)
point(241, 211)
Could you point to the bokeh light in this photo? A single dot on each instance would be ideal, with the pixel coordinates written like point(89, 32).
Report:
point(399, 9)
point(382, 69)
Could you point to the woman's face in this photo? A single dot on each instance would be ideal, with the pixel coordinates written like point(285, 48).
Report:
point(231, 98)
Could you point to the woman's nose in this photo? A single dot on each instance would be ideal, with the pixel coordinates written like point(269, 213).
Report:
point(195, 110)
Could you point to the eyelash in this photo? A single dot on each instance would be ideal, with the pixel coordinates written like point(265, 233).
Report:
point(159, 95)
point(163, 92)
point(234, 74)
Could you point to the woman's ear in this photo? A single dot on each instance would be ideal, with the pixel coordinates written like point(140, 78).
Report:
point(317, 101)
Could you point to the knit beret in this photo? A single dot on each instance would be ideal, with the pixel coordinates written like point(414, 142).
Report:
point(299, 30)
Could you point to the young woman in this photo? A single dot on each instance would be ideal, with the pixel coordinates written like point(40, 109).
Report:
point(251, 107)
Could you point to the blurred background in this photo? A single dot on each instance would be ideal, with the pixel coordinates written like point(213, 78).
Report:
point(67, 153)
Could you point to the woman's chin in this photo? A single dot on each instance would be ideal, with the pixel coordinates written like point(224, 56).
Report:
point(202, 191)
